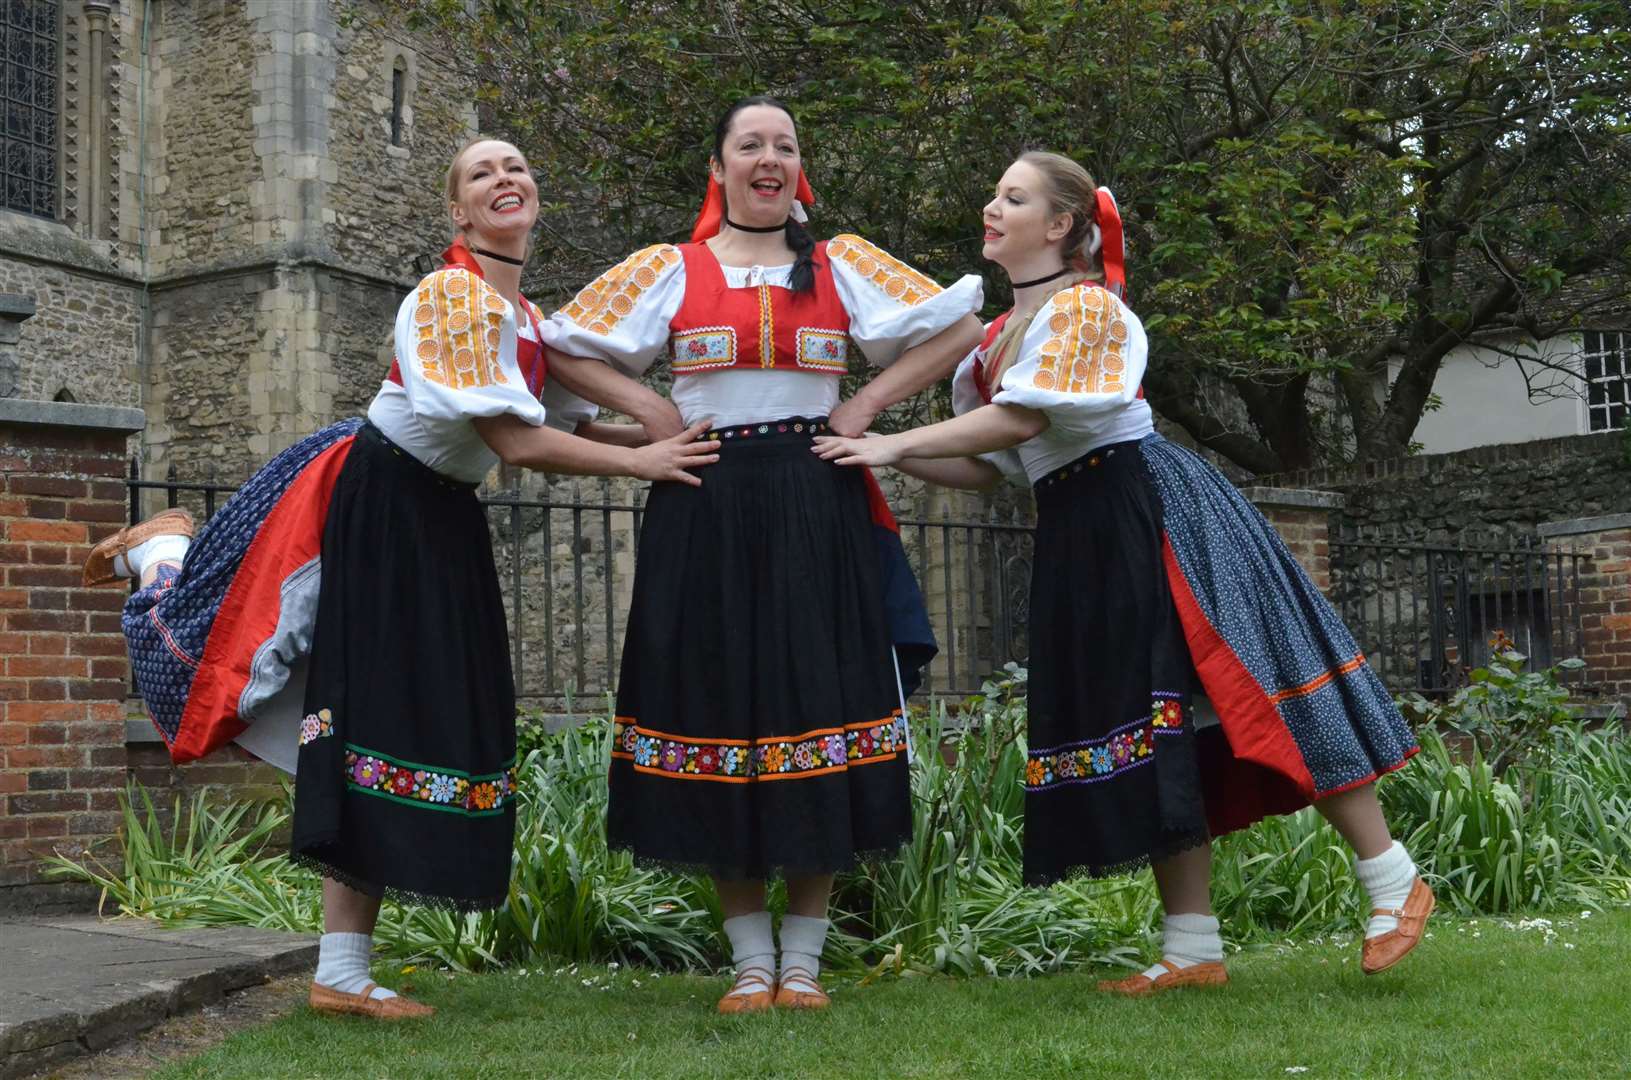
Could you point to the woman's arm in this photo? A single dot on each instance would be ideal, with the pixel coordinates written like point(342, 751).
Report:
point(922, 365)
point(517, 442)
point(612, 434)
point(967, 473)
point(600, 383)
point(990, 427)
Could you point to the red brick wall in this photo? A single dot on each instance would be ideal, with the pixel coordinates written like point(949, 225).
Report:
point(1303, 520)
point(63, 671)
point(1605, 612)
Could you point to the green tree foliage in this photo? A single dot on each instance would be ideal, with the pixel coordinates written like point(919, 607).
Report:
point(1315, 191)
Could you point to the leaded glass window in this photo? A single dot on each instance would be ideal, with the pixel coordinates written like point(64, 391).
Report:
point(29, 73)
point(1608, 379)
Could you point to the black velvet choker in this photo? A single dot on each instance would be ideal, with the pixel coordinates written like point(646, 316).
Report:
point(1059, 273)
point(500, 258)
point(756, 228)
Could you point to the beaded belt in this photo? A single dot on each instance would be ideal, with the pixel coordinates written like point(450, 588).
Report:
point(1091, 460)
point(793, 425)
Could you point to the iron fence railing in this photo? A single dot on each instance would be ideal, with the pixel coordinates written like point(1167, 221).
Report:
point(1427, 614)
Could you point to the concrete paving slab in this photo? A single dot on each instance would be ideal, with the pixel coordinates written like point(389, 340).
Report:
point(74, 984)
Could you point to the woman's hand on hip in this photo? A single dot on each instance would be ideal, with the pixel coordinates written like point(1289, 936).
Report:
point(852, 418)
point(662, 420)
point(670, 458)
point(877, 451)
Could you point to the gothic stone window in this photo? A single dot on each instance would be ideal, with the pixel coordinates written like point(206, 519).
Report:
point(1608, 379)
point(29, 72)
point(399, 98)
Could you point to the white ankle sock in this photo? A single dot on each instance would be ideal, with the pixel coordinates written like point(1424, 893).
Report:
point(342, 964)
point(1187, 940)
point(752, 945)
point(803, 938)
point(1387, 879)
point(170, 547)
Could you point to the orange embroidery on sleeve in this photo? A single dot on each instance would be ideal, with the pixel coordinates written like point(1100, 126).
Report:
point(604, 302)
point(893, 278)
point(456, 322)
point(1086, 352)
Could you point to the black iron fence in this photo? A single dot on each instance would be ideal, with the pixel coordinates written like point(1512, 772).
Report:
point(1427, 614)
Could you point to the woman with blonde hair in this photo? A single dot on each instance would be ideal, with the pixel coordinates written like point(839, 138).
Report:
point(342, 612)
point(1153, 579)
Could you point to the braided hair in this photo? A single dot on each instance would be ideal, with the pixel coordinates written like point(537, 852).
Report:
point(802, 277)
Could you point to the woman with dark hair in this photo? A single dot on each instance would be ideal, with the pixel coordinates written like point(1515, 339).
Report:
point(342, 612)
point(759, 722)
point(1152, 573)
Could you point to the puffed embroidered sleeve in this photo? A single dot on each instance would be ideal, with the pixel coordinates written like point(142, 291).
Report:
point(1083, 356)
point(622, 316)
point(455, 348)
point(891, 306)
point(965, 398)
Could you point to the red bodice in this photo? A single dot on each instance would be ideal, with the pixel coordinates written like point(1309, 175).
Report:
point(765, 327)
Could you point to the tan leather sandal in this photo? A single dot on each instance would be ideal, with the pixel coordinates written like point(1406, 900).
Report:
point(99, 564)
point(789, 998)
point(1383, 951)
point(326, 999)
point(751, 1001)
point(1210, 973)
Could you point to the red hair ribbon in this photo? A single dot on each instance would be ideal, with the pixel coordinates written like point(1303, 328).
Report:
point(1112, 250)
point(712, 215)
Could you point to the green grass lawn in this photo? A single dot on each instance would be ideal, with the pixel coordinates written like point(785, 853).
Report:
point(1485, 998)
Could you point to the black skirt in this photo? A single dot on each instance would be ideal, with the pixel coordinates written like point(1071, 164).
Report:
point(759, 723)
point(407, 751)
point(1112, 773)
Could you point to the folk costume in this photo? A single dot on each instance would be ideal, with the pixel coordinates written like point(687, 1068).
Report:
point(341, 613)
point(759, 722)
point(1154, 579)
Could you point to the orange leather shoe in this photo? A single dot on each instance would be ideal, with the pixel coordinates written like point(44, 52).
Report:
point(325, 999)
point(99, 564)
point(1210, 973)
point(752, 1001)
point(789, 998)
point(1385, 950)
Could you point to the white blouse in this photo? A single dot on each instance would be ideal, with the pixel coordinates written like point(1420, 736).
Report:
point(456, 352)
point(622, 318)
point(1081, 362)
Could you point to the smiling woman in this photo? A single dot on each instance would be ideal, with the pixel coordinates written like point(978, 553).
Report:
point(341, 617)
point(1155, 581)
point(759, 724)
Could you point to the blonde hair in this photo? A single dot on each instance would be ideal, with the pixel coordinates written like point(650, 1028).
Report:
point(1070, 190)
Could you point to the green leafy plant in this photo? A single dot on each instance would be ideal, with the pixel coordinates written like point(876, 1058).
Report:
point(1552, 830)
point(1508, 713)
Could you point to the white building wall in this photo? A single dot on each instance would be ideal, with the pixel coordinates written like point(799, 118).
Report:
point(1486, 399)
